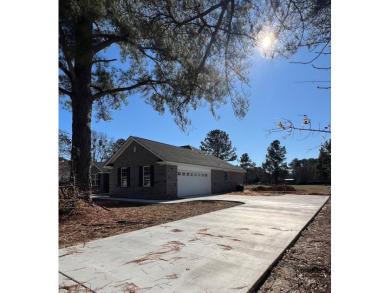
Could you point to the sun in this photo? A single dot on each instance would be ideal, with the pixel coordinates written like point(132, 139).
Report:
point(266, 43)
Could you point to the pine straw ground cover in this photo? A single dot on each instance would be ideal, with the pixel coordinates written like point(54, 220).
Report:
point(88, 222)
point(306, 266)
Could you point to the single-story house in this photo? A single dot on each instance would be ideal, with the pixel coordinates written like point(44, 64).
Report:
point(99, 177)
point(143, 168)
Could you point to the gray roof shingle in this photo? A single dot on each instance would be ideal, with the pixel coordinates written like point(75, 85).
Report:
point(100, 166)
point(185, 154)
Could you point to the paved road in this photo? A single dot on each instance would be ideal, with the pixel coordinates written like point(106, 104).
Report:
point(223, 251)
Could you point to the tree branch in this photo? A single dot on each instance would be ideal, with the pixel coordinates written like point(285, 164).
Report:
point(65, 51)
point(65, 92)
point(123, 89)
point(106, 43)
point(103, 60)
point(204, 13)
point(315, 58)
point(64, 69)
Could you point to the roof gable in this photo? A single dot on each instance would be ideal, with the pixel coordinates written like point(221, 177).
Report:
point(100, 166)
point(184, 154)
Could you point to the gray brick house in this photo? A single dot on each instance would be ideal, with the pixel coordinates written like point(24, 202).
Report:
point(142, 168)
point(99, 177)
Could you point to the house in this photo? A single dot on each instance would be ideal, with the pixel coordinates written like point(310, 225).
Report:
point(99, 177)
point(63, 170)
point(143, 168)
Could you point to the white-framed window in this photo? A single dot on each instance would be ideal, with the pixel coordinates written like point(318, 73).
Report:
point(95, 179)
point(124, 182)
point(146, 176)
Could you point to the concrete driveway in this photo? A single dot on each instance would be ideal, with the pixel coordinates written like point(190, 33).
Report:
point(223, 251)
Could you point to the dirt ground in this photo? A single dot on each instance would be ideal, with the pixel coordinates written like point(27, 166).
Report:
point(306, 266)
point(87, 222)
point(259, 190)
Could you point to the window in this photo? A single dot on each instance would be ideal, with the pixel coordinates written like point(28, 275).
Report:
point(226, 176)
point(134, 149)
point(95, 179)
point(146, 176)
point(124, 177)
point(188, 174)
point(178, 173)
point(205, 175)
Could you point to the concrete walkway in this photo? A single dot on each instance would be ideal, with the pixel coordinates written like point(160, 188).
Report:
point(222, 251)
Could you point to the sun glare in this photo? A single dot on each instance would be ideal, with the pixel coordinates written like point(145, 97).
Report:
point(266, 42)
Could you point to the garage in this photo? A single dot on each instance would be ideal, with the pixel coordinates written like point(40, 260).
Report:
point(193, 181)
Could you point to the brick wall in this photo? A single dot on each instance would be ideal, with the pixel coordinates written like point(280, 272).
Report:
point(219, 183)
point(165, 178)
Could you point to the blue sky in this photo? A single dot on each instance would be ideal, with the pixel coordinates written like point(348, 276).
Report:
point(276, 92)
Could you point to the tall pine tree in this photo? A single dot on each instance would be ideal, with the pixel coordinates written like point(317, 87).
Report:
point(274, 163)
point(218, 144)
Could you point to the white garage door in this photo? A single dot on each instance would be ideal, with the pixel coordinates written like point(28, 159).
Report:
point(193, 182)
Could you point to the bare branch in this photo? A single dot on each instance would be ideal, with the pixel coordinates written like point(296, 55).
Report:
point(321, 68)
point(286, 125)
point(315, 58)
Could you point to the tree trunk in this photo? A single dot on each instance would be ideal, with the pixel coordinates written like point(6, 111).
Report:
point(81, 142)
point(82, 104)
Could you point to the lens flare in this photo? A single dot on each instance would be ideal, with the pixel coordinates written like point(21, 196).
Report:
point(266, 43)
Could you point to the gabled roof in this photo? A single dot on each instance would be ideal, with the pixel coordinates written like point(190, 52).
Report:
point(174, 154)
point(100, 166)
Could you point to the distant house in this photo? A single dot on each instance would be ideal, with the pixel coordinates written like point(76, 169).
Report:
point(143, 168)
point(99, 177)
point(63, 170)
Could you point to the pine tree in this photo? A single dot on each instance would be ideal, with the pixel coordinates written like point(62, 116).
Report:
point(323, 167)
point(218, 144)
point(274, 161)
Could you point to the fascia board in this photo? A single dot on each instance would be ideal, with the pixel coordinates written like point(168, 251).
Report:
point(124, 147)
point(119, 152)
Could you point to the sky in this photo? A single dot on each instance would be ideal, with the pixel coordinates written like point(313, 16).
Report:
point(278, 90)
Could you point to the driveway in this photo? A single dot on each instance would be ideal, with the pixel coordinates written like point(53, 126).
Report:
point(224, 251)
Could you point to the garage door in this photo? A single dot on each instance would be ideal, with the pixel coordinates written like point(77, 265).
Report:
point(193, 182)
